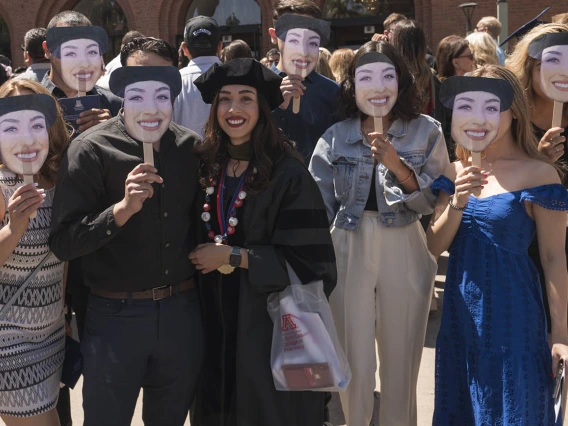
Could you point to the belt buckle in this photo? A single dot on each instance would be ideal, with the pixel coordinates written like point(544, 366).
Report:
point(154, 297)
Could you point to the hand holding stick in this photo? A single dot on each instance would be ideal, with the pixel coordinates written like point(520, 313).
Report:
point(476, 162)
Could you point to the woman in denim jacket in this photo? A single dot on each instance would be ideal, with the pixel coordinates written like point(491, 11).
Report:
point(375, 189)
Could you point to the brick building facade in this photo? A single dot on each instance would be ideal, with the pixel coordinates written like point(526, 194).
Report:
point(165, 18)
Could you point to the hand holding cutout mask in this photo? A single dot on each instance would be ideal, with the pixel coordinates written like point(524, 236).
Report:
point(302, 37)
point(376, 86)
point(148, 94)
point(476, 104)
point(552, 51)
point(24, 138)
point(78, 51)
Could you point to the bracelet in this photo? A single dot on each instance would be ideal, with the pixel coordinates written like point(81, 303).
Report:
point(454, 207)
point(402, 182)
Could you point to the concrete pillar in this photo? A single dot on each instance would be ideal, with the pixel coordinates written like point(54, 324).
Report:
point(503, 17)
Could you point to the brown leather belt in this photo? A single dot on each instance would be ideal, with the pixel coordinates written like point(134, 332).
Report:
point(156, 293)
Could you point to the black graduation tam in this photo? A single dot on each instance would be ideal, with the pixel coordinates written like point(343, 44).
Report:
point(371, 58)
point(288, 22)
point(37, 102)
point(453, 86)
point(123, 76)
point(244, 71)
point(523, 30)
point(56, 36)
point(545, 41)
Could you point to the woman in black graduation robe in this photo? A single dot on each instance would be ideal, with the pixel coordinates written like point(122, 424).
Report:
point(283, 221)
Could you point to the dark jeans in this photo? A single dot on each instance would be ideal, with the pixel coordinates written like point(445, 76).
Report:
point(133, 344)
point(76, 301)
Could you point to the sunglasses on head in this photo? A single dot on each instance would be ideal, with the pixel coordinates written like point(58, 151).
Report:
point(470, 57)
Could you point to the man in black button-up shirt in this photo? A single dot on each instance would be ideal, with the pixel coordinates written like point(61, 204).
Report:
point(91, 192)
point(132, 225)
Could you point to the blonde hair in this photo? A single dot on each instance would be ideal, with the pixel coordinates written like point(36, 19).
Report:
point(393, 18)
point(492, 24)
point(339, 63)
point(484, 48)
point(58, 132)
point(521, 127)
point(561, 18)
point(521, 64)
point(322, 66)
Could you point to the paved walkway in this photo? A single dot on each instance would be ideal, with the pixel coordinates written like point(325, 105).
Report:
point(425, 380)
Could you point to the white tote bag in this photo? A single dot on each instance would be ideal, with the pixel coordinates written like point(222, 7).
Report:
point(306, 354)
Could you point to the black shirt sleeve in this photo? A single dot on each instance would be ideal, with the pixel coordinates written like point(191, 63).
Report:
point(80, 188)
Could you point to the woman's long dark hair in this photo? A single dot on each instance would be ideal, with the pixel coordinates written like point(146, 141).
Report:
point(407, 106)
point(409, 39)
point(269, 144)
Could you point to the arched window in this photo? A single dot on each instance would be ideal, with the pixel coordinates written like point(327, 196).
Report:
point(227, 12)
point(109, 15)
point(4, 39)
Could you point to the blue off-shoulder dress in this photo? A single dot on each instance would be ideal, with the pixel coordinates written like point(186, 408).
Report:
point(493, 361)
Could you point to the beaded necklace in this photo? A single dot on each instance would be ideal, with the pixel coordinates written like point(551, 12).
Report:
point(227, 222)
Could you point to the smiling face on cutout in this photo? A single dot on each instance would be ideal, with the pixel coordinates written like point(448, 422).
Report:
point(376, 88)
point(24, 141)
point(237, 112)
point(554, 72)
point(300, 51)
point(81, 64)
point(147, 110)
point(475, 119)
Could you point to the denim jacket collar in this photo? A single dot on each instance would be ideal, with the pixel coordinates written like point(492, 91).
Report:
point(398, 129)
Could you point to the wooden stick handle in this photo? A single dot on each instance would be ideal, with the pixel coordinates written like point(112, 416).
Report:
point(296, 105)
point(148, 154)
point(476, 162)
point(378, 122)
point(557, 114)
point(28, 180)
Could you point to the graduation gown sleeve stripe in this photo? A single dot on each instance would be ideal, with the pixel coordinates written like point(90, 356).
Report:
point(301, 235)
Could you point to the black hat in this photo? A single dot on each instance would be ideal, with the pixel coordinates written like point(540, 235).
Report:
point(202, 32)
point(37, 102)
point(245, 71)
point(371, 58)
point(545, 41)
point(453, 86)
point(56, 36)
point(288, 21)
point(523, 30)
point(124, 76)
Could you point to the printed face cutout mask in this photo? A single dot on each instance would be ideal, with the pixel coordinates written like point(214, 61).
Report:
point(148, 93)
point(78, 52)
point(301, 39)
point(376, 84)
point(24, 139)
point(147, 110)
point(476, 104)
point(552, 51)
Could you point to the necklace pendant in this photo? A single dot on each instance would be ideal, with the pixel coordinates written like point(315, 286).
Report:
point(226, 269)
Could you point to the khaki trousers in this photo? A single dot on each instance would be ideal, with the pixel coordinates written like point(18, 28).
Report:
point(385, 283)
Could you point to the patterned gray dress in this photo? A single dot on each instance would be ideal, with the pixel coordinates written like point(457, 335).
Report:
point(32, 335)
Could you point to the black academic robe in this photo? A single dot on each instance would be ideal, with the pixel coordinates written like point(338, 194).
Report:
point(287, 221)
